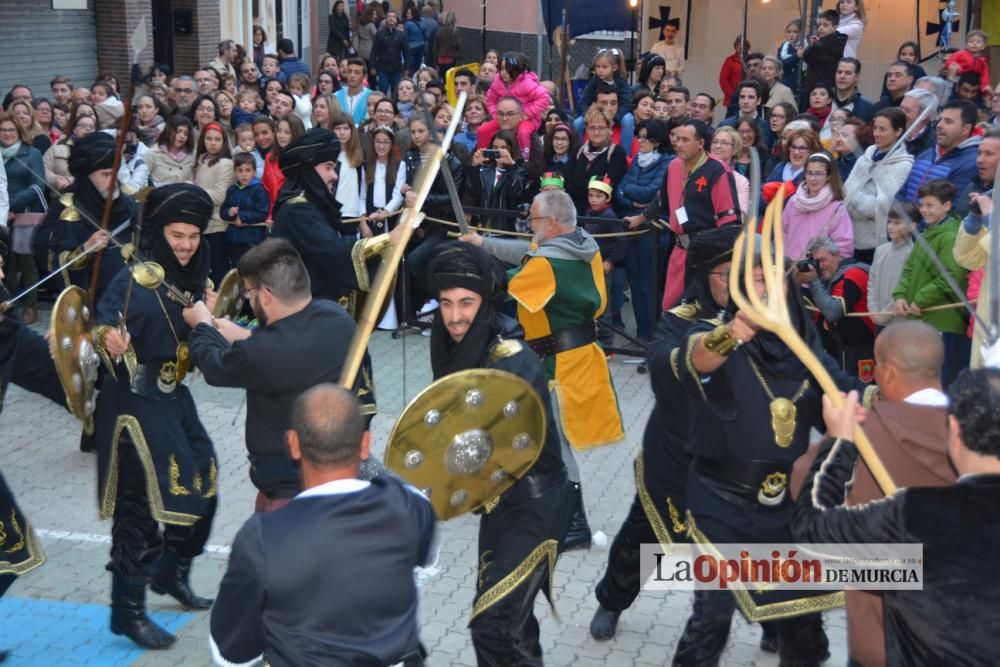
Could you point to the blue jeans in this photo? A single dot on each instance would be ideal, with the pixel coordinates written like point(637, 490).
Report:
point(639, 269)
point(389, 81)
point(416, 58)
point(957, 351)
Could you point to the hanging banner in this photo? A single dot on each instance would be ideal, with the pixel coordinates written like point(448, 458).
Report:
point(661, 13)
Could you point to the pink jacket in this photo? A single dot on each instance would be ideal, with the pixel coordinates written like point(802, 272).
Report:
point(533, 98)
point(800, 228)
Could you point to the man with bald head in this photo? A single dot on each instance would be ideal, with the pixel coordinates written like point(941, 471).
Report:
point(328, 578)
point(908, 428)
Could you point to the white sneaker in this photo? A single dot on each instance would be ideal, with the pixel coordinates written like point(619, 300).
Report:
point(428, 307)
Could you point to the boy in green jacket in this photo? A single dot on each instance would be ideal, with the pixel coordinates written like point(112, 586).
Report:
point(922, 285)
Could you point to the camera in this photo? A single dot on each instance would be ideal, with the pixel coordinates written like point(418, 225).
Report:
point(491, 154)
point(807, 264)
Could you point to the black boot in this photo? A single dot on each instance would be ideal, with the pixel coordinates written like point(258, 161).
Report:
point(604, 624)
point(578, 535)
point(171, 578)
point(768, 638)
point(87, 442)
point(128, 614)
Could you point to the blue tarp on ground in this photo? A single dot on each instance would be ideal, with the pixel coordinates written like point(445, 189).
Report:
point(586, 16)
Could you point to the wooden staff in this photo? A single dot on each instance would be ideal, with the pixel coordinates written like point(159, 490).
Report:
point(387, 270)
point(138, 43)
point(772, 315)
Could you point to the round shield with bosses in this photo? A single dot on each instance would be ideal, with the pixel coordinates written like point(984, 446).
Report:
point(229, 301)
point(467, 438)
point(72, 346)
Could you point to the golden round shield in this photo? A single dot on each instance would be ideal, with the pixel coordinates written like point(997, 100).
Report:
point(467, 438)
point(72, 347)
point(229, 302)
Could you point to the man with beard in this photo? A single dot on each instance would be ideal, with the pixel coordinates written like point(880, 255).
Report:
point(68, 230)
point(301, 342)
point(307, 214)
point(559, 289)
point(757, 403)
point(658, 509)
point(24, 361)
point(520, 531)
point(156, 462)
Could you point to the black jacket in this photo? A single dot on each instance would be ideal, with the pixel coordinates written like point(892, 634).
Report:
point(438, 204)
point(614, 167)
point(505, 194)
point(822, 58)
point(389, 50)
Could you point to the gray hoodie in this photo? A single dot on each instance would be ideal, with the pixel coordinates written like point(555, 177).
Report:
point(576, 245)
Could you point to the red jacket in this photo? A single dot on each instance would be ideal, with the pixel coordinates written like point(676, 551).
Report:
point(272, 179)
point(730, 76)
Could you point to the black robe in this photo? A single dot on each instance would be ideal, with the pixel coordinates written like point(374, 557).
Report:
point(24, 361)
point(737, 485)
point(346, 596)
point(335, 270)
point(953, 620)
point(276, 365)
point(172, 444)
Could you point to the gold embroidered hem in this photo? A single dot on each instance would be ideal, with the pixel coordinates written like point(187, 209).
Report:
point(871, 393)
point(774, 611)
point(27, 542)
point(109, 493)
point(546, 551)
point(131, 362)
point(649, 508)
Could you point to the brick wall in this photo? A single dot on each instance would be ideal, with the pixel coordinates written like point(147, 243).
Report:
point(116, 21)
point(191, 52)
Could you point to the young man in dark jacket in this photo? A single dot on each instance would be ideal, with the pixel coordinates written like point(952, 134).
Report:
point(389, 52)
point(246, 207)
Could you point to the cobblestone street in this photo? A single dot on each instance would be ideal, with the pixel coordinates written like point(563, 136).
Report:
point(58, 614)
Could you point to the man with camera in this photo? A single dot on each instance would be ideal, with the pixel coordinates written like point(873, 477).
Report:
point(838, 286)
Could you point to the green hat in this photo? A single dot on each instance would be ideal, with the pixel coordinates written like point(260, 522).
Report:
point(550, 178)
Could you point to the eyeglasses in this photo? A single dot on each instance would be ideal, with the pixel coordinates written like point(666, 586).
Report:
point(188, 91)
point(797, 149)
point(722, 274)
point(508, 114)
point(595, 128)
point(8, 130)
point(540, 217)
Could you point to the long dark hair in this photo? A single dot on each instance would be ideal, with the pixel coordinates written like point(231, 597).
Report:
point(170, 127)
point(202, 151)
point(574, 142)
point(647, 68)
point(392, 166)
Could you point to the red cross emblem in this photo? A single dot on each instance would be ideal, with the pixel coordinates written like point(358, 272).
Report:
point(701, 183)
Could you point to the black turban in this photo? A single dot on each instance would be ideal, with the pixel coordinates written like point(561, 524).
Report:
point(186, 203)
point(712, 247)
point(472, 268)
point(93, 152)
point(464, 265)
point(316, 146)
point(178, 202)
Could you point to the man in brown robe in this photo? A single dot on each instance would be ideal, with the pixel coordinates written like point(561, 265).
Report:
point(909, 430)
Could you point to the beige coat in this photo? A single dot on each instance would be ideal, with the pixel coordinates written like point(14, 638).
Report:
point(972, 251)
point(215, 180)
point(781, 93)
point(56, 161)
point(164, 169)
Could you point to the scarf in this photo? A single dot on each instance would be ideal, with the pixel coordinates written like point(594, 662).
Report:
point(91, 202)
point(590, 153)
point(820, 115)
point(647, 160)
point(10, 151)
point(176, 156)
point(806, 204)
point(448, 357)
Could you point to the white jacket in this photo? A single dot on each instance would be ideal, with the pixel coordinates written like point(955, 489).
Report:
point(870, 190)
point(855, 30)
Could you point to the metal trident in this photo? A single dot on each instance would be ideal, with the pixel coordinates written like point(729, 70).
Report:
point(771, 313)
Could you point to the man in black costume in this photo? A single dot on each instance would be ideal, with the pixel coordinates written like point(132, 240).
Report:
point(301, 342)
point(156, 462)
point(658, 509)
point(758, 404)
point(953, 619)
point(346, 595)
point(520, 531)
point(24, 361)
point(307, 214)
point(69, 228)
